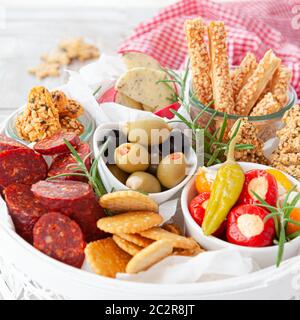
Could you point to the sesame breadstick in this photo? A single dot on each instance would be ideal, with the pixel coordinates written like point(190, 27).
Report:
point(195, 31)
point(291, 115)
point(267, 105)
point(220, 74)
point(280, 85)
point(287, 155)
point(248, 134)
point(256, 84)
point(242, 73)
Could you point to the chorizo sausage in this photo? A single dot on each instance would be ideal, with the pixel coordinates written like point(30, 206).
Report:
point(59, 237)
point(55, 144)
point(87, 218)
point(61, 162)
point(63, 196)
point(24, 209)
point(7, 143)
point(21, 166)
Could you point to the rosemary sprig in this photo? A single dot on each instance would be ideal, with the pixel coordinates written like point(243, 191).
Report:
point(214, 146)
point(179, 79)
point(95, 93)
point(281, 216)
point(92, 175)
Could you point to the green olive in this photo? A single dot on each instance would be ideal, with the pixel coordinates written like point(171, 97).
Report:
point(132, 157)
point(171, 170)
point(143, 181)
point(121, 175)
point(147, 131)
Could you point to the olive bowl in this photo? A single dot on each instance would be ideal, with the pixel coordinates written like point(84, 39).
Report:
point(263, 256)
point(112, 183)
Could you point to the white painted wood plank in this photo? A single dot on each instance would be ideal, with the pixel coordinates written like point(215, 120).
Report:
point(29, 34)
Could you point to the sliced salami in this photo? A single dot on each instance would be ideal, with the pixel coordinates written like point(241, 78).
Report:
point(60, 238)
point(24, 209)
point(87, 218)
point(55, 144)
point(21, 166)
point(7, 143)
point(63, 196)
point(60, 163)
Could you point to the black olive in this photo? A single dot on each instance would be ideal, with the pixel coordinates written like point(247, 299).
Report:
point(177, 142)
point(153, 169)
point(116, 138)
point(155, 158)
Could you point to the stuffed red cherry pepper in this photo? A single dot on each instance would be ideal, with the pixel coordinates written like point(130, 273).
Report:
point(263, 184)
point(197, 210)
point(246, 226)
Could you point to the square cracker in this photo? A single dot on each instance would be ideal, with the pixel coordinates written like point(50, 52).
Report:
point(127, 246)
point(177, 241)
point(106, 258)
point(130, 222)
point(128, 200)
point(150, 255)
point(136, 239)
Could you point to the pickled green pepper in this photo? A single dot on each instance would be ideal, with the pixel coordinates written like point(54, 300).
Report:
point(225, 192)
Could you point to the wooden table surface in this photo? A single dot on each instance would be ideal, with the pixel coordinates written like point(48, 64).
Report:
point(30, 32)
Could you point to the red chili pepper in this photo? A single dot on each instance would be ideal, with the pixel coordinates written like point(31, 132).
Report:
point(246, 226)
point(197, 210)
point(262, 183)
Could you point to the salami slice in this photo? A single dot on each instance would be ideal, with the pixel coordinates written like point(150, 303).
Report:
point(60, 238)
point(24, 209)
point(87, 218)
point(55, 144)
point(60, 163)
point(64, 196)
point(7, 143)
point(21, 166)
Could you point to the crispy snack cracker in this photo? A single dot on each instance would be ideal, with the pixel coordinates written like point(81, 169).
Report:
point(56, 56)
point(136, 239)
point(124, 201)
point(189, 252)
point(77, 48)
point(71, 125)
point(130, 222)
point(40, 118)
point(73, 109)
point(45, 69)
point(150, 255)
point(106, 258)
point(127, 246)
point(171, 227)
point(176, 240)
point(60, 100)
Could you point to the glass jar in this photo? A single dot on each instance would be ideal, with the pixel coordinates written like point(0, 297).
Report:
point(85, 119)
point(267, 125)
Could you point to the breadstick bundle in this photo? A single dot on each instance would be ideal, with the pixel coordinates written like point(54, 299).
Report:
point(251, 89)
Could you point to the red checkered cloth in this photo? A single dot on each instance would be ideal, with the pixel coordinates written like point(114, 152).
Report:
point(254, 26)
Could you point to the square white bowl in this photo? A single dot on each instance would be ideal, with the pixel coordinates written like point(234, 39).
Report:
point(111, 182)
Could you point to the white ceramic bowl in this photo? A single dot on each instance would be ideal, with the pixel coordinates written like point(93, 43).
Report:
point(111, 182)
point(265, 256)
